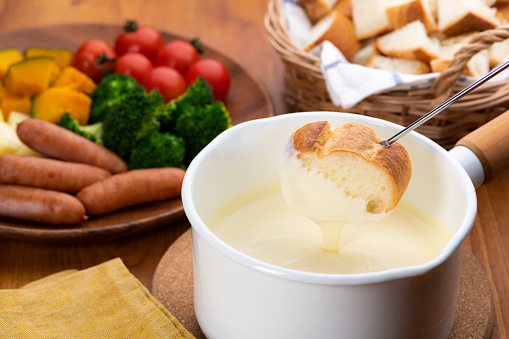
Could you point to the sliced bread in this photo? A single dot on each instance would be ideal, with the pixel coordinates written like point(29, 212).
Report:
point(398, 65)
point(345, 7)
point(339, 30)
point(502, 12)
point(366, 51)
point(369, 18)
point(463, 16)
point(351, 157)
point(409, 42)
point(403, 12)
point(498, 52)
point(317, 9)
point(477, 66)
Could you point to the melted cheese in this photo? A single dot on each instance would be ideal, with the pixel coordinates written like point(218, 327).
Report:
point(259, 223)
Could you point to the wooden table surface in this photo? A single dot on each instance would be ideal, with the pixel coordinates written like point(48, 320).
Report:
point(236, 29)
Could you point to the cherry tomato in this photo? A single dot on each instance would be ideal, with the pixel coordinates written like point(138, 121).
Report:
point(215, 73)
point(136, 65)
point(141, 39)
point(168, 81)
point(86, 58)
point(178, 54)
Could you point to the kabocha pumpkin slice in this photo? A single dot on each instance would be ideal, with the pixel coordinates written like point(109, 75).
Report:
point(31, 76)
point(12, 102)
point(75, 79)
point(55, 101)
point(8, 56)
point(63, 57)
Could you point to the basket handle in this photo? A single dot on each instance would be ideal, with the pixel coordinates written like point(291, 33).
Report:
point(445, 82)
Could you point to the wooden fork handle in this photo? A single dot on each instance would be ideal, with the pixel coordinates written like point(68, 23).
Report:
point(490, 143)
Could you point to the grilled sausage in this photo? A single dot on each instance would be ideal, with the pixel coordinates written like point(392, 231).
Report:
point(60, 143)
point(47, 173)
point(36, 204)
point(131, 188)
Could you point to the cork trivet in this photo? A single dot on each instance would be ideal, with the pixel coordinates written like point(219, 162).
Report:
point(172, 285)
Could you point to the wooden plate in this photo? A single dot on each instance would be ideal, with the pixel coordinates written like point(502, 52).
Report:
point(247, 100)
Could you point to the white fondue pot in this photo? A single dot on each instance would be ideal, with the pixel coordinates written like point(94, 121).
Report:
point(237, 296)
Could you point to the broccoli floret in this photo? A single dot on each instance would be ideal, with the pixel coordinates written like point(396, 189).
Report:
point(195, 117)
point(93, 132)
point(132, 118)
point(198, 94)
point(166, 115)
point(198, 126)
point(110, 91)
point(158, 150)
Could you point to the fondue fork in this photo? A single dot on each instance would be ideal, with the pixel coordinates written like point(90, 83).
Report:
point(443, 106)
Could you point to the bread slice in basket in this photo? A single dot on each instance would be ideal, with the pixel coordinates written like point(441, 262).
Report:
point(369, 18)
point(463, 16)
point(317, 9)
point(409, 42)
point(398, 65)
point(498, 52)
point(337, 28)
point(402, 12)
point(477, 66)
point(417, 30)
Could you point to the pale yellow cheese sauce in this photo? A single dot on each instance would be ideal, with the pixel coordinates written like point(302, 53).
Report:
point(259, 223)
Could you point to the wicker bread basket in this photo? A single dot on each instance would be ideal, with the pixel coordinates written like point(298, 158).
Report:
point(305, 88)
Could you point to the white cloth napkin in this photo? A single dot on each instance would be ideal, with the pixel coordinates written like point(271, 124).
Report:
point(348, 83)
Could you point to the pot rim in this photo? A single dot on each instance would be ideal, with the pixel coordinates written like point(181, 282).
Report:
point(198, 225)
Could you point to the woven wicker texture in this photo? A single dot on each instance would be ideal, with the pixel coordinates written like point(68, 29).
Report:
point(305, 88)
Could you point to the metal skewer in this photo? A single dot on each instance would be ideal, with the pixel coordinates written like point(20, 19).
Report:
point(443, 106)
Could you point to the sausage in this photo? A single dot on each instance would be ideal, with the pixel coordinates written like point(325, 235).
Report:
point(131, 188)
point(60, 143)
point(47, 173)
point(37, 204)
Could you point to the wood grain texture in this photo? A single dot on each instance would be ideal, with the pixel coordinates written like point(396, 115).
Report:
point(489, 143)
point(489, 241)
point(234, 27)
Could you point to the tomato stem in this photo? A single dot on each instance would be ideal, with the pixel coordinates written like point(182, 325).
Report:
point(130, 26)
point(103, 59)
point(197, 45)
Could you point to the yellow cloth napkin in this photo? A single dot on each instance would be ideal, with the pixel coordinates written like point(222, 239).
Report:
point(104, 301)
